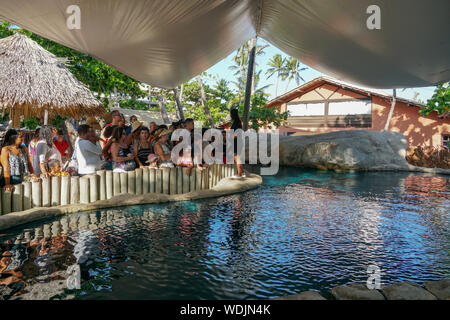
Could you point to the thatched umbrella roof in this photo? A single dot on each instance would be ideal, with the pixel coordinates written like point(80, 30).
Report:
point(33, 80)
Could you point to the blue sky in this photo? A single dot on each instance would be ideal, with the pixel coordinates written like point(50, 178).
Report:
point(221, 70)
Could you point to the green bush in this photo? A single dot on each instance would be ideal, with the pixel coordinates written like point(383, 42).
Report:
point(30, 123)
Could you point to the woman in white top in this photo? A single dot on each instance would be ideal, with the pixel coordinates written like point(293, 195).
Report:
point(45, 151)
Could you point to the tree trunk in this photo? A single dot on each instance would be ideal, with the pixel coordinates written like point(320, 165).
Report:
point(394, 100)
point(181, 92)
point(289, 82)
point(179, 105)
point(116, 98)
point(276, 86)
point(253, 72)
point(149, 97)
point(203, 100)
point(251, 64)
point(163, 109)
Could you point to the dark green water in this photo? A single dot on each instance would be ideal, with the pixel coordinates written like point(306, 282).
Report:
point(301, 230)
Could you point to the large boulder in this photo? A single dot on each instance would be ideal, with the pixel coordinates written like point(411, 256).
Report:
point(441, 288)
point(306, 295)
point(356, 291)
point(407, 291)
point(346, 150)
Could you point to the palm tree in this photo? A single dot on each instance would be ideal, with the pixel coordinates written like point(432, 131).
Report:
point(277, 66)
point(241, 64)
point(292, 68)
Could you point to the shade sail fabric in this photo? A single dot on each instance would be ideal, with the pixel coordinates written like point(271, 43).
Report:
point(167, 42)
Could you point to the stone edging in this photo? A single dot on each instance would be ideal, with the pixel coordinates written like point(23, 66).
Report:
point(225, 186)
point(431, 290)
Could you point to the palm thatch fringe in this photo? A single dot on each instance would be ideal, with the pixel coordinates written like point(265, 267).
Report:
point(33, 80)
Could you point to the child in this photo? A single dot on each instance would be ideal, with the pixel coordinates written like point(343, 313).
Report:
point(54, 167)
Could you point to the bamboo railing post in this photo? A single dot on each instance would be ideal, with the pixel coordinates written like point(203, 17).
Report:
point(17, 198)
point(158, 180)
point(131, 182)
point(179, 180)
point(192, 180)
point(173, 180)
point(198, 178)
point(138, 174)
point(102, 184)
point(74, 190)
point(123, 183)
point(145, 180)
point(165, 179)
point(36, 193)
point(65, 190)
point(109, 184)
point(204, 179)
point(46, 192)
point(186, 181)
point(56, 191)
point(152, 179)
point(6, 201)
point(93, 187)
point(116, 183)
point(26, 195)
point(84, 189)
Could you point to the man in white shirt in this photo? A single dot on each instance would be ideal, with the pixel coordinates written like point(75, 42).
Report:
point(87, 154)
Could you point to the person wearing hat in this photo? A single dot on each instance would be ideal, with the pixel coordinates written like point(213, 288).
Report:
point(93, 123)
point(96, 128)
point(162, 150)
point(133, 136)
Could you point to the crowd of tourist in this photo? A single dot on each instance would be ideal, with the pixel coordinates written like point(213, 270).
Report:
point(118, 146)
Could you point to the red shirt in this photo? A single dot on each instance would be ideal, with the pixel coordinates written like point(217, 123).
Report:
point(62, 147)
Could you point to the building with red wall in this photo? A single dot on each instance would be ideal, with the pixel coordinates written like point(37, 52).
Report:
point(325, 105)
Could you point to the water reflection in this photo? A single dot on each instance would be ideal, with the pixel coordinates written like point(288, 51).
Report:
point(302, 230)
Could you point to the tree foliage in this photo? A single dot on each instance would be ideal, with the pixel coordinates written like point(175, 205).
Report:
point(439, 102)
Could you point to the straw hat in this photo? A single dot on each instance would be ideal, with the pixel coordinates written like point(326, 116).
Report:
point(107, 117)
point(93, 123)
point(136, 125)
point(163, 132)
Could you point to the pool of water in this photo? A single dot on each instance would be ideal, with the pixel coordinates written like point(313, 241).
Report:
point(301, 230)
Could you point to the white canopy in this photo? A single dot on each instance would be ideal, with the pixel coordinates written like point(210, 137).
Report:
point(167, 42)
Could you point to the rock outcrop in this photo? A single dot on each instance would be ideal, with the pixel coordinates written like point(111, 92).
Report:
point(356, 291)
point(307, 295)
point(349, 150)
point(407, 291)
point(346, 150)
